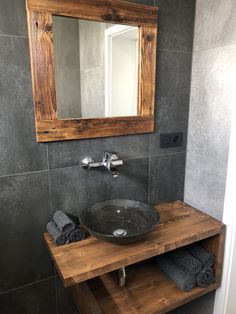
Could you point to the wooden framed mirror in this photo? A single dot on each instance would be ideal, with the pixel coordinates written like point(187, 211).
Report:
point(52, 89)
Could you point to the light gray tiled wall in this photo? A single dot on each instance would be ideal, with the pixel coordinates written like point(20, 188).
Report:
point(212, 98)
point(37, 179)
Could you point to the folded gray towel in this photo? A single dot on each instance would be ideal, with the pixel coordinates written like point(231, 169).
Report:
point(58, 237)
point(76, 235)
point(206, 277)
point(185, 261)
point(207, 258)
point(63, 222)
point(73, 218)
point(184, 281)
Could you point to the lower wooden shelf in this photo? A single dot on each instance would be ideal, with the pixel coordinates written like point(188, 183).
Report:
point(147, 291)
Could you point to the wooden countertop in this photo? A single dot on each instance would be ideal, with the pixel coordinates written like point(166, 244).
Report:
point(180, 225)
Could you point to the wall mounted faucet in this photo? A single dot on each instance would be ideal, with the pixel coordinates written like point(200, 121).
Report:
point(110, 161)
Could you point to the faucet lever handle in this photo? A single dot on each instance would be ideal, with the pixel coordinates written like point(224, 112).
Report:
point(111, 155)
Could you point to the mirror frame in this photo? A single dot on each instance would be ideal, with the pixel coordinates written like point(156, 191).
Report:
point(40, 28)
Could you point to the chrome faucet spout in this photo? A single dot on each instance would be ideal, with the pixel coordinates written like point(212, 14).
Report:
point(110, 162)
point(114, 172)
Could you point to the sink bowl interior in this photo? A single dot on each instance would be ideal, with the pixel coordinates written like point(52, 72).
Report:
point(120, 221)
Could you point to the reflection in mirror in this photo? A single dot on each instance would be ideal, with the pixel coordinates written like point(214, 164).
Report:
point(96, 67)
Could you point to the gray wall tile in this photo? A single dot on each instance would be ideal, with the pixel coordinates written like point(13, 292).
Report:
point(65, 303)
point(205, 184)
point(203, 305)
point(215, 24)
point(24, 212)
point(67, 154)
point(172, 98)
point(176, 23)
point(73, 189)
point(19, 151)
point(166, 180)
point(213, 96)
point(38, 298)
point(13, 17)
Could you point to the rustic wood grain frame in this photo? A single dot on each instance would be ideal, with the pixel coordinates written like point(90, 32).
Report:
point(40, 28)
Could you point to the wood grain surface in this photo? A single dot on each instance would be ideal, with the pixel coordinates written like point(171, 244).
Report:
point(40, 27)
point(122, 12)
point(147, 291)
point(180, 225)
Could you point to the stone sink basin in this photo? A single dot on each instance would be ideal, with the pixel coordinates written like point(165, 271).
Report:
point(119, 221)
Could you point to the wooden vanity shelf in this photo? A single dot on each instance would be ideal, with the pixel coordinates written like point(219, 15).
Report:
point(88, 266)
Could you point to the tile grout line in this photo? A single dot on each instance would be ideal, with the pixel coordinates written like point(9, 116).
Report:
point(128, 159)
point(205, 157)
point(13, 36)
point(214, 48)
point(174, 50)
point(23, 173)
point(26, 285)
point(168, 154)
point(79, 166)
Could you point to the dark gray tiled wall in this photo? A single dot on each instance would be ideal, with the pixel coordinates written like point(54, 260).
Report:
point(167, 177)
point(201, 305)
point(24, 211)
point(37, 298)
point(37, 179)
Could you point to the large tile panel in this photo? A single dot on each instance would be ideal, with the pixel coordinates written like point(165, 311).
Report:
point(203, 305)
point(13, 17)
point(65, 302)
point(38, 298)
point(213, 96)
point(166, 181)
point(176, 24)
point(205, 184)
point(19, 150)
point(215, 24)
point(73, 189)
point(172, 98)
point(24, 213)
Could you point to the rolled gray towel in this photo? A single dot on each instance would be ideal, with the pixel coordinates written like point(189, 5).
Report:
point(184, 281)
point(76, 235)
point(185, 261)
point(58, 237)
point(206, 277)
point(207, 258)
point(63, 222)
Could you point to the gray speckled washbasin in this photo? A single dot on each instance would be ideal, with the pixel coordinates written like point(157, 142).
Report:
point(120, 221)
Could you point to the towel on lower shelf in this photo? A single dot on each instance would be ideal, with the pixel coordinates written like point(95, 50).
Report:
point(183, 280)
point(207, 258)
point(205, 277)
point(58, 237)
point(63, 222)
point(185, 261)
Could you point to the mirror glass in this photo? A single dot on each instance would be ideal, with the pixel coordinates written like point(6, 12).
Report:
point(96, 67)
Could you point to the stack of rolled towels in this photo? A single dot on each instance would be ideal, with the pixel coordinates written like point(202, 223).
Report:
point(63, 229)
point(188, 267)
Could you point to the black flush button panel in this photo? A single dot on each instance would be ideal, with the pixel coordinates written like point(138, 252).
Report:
point(171, 140)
